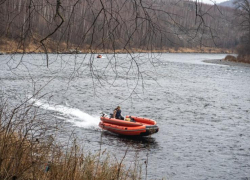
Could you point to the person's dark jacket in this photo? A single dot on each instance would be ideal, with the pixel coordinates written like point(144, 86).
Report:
point(118, 114)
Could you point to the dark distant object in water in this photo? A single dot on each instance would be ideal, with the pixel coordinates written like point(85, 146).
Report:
point(131, 126)
point(99, 56)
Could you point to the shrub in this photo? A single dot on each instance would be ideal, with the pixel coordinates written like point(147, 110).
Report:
point(244, 59)
point(26, 153)
point(243, 50)
point(230, 58)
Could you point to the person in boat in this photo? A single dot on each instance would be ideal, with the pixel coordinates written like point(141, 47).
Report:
point(118, 113)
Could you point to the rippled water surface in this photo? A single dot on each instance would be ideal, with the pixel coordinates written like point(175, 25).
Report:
point(202, 109)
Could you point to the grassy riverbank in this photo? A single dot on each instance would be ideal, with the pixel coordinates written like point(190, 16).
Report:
point(11, 47)
point(241, 59)
point(29, 151)
point(230, 60)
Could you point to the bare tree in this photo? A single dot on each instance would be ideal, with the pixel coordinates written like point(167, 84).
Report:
point(111, 26)
point(242, 9)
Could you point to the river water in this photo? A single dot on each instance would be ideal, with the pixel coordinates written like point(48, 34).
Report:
point(202, 109)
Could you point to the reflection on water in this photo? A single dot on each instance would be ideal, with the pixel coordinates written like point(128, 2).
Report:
point(137, 142)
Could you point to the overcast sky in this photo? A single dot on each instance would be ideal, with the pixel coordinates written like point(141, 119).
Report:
point(212, 1)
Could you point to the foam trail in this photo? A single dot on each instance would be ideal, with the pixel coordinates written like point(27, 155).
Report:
point(73, 115)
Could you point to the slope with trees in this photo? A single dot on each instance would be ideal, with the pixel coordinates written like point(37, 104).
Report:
point(109, 25)
point(242, 8)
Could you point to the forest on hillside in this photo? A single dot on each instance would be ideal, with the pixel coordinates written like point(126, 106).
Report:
point(60, 25)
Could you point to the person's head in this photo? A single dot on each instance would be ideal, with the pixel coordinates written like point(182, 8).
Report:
point(118, 107)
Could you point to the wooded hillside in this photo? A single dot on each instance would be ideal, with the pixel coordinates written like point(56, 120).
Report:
point(61, 25)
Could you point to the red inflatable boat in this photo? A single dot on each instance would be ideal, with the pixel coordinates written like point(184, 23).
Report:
point(131, 126)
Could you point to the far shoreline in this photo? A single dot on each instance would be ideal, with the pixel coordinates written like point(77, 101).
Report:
point(94, 53)
point(12, 53)
point(33, 49)
point(228, 63)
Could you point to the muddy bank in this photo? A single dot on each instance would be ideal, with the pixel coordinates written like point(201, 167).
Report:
point(229, 63)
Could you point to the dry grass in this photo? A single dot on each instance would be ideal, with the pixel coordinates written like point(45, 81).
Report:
point(199, 50)
point(230, 58)
point(242, 59)
point(11, 46)
point(26, 153)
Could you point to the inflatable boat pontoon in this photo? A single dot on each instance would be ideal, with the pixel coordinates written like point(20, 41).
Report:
point(131, 126)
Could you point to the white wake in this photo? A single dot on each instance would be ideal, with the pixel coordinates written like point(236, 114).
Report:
point(73, 115)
